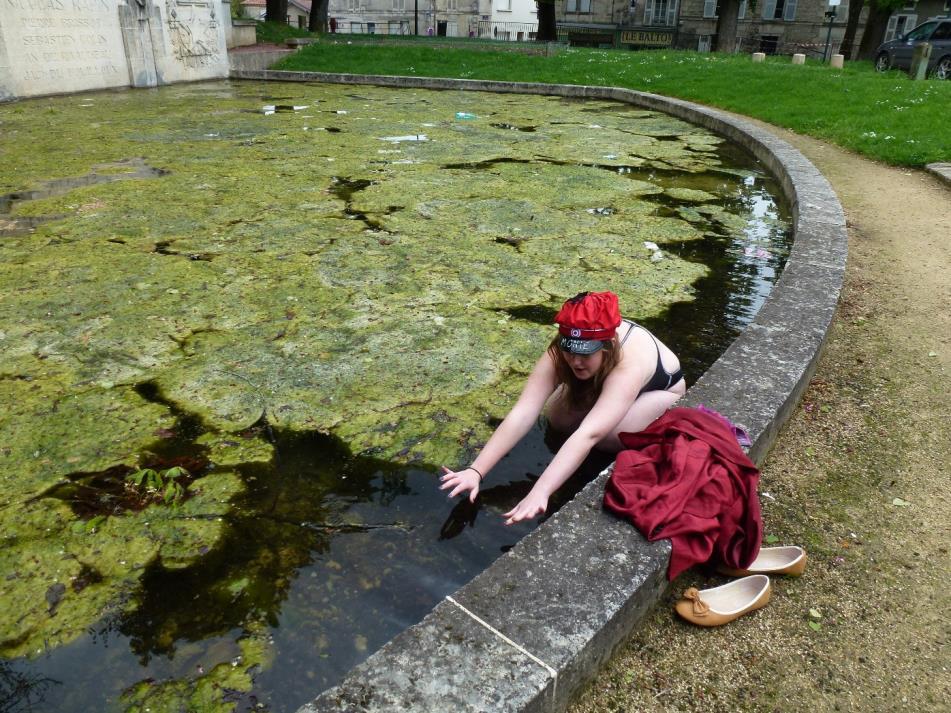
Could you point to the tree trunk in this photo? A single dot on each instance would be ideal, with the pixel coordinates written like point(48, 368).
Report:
point(726, 26)
point(317, 21)
point(547, 32)
point(874, 30)
point(276, 11)
point(851, 27)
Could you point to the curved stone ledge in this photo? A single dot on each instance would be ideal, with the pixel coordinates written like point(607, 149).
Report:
point(533, 627)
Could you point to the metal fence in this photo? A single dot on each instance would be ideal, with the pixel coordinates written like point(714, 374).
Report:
point(347, 27)
point(768, 44)
point(510, 31)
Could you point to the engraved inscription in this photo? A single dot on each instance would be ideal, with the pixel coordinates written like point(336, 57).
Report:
point(58, 44)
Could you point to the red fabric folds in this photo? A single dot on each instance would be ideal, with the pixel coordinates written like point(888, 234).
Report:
point(686, 479)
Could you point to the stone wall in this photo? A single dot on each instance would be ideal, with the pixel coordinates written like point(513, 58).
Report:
point(62, 46)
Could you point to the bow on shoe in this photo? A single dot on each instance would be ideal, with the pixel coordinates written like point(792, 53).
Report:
point(700, 607)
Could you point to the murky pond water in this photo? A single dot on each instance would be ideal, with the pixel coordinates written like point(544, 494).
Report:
point(309, 297)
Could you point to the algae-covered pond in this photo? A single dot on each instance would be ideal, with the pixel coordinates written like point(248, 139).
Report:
point(309, 297)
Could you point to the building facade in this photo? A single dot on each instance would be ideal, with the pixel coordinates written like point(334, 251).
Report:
point(770, 26)
point(914, 13)
point(773, 26)
point(444, 18)
point(298, 11)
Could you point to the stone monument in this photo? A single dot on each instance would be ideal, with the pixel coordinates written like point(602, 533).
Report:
point(62, 46)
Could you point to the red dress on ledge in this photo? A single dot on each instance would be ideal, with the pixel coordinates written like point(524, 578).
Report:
point(686, 479)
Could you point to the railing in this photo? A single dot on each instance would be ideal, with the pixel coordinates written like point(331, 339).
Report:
point(766, 44)
point(510, 31)
point(347, 27)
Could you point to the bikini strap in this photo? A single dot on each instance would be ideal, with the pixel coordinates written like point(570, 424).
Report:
point(633, 324)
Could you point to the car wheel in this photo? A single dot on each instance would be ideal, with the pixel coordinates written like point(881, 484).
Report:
point(942, 70)
point(883, 62)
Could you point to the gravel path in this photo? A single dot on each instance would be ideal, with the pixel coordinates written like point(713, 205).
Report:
point(859, 476)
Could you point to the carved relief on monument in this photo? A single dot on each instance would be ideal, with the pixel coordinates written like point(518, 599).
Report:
point(193, 31)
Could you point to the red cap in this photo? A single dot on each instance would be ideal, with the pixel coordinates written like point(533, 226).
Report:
point(590, 315)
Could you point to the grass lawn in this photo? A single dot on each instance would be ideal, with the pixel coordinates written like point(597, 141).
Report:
point(884, 116)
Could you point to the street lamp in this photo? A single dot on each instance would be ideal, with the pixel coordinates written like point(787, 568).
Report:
point(833, 4)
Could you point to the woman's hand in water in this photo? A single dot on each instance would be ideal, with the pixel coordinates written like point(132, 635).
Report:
point(460, 481)
point(532, 505)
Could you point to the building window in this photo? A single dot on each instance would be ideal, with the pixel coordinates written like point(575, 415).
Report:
point(711, 8)
point(660, 12)
point(353, 4)
point(898, 25)
point(399, 4)
point(578, 6)
point(452, 5)
point(779, 10)
point(742, 14)
point(704, 43)
point(505, 6)
point(768, 44)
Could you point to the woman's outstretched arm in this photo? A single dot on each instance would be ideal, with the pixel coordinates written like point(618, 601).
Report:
point(540, 385)
point(617, 396)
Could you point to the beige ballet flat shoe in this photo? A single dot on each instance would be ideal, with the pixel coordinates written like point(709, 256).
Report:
point(721, 605)
point(790, 560)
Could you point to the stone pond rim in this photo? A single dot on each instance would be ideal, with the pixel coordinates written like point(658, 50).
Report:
point(527, 632)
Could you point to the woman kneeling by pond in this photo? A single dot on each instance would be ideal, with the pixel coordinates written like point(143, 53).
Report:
point(601, 376)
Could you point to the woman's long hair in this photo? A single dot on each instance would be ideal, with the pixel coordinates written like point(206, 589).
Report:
point(578, 394)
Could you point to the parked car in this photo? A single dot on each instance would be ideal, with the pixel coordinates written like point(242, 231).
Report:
point(897, 53)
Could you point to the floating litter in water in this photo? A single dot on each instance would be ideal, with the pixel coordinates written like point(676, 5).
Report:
point(408, 137)
point(465, 115)
point(269, 109)
point(750, 251)
point(650, 246)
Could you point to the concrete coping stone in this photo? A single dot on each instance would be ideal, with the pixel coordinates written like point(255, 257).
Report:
point(529, 631)
point(941, 170)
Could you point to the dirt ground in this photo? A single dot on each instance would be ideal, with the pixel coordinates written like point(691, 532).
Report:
point(859, 476)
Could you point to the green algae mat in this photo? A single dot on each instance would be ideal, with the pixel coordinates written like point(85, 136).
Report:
point(192, 275)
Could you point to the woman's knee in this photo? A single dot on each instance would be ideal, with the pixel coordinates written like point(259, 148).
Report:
point(646, 409)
